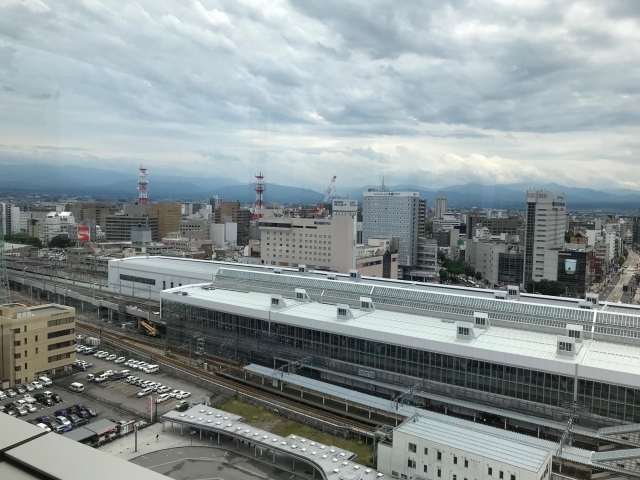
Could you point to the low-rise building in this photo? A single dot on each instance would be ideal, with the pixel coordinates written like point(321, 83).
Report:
point(56, 224)
point(35, 341)
point(378, 258)
point(433, 446)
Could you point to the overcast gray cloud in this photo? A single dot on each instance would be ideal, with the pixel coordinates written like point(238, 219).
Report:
point(430, 92)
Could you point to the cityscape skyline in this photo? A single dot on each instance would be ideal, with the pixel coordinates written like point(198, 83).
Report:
point(534, 92)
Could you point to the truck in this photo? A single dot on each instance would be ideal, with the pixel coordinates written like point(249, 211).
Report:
point(93, 341)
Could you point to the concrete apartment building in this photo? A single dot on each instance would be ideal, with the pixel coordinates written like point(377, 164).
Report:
point(35, 341)
point(393, 214)
point(544, 234)
point(98, 212)
point(379, 258)
point(231, 212)
point(441, 206)
point(496, 226)
point(10, 219)
point(321, 244)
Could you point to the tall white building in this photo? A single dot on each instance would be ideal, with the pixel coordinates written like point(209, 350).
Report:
point(10, 218)
point(545, 221)
point(441, 206)
point(318, 243)
point(393, 214)
point(54, 224)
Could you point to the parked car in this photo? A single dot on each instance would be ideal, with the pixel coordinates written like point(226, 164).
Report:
point(111, 357)
point(63, 420)
point(182, 406)
point(37, 385)
point(47, 393)
point(91, 411)
point(60, 413)
point(3, 395)
point(103, 355)
point(76, 421)
point(79, 407)
point(164, 389)
point(44, 427)
point(182, 394)
point(29, 407)
point(29, 387)
point(89, 351)
point(22, 411)
point(28, 398)
point(42, 419)
point(120, 360)
point(83, 414)
point(174, 393)
point(11, 411)
point(109, 373)
point(72, 410)
point(144, 392)
point(162, 398)
point(56, 398)
point(101, 378)
point(47, 402)
point(21, 390)
point(10, 392)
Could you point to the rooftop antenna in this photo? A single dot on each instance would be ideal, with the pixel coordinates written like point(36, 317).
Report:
point(383, 188)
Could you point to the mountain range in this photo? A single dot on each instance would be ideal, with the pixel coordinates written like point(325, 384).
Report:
point(96, 183)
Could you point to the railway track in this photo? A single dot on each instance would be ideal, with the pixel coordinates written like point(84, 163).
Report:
point(363, 426)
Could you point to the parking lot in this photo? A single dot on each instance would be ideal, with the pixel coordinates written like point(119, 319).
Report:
point(121, 392)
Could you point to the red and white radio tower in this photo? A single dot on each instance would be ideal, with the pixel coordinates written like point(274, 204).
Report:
point(257, 212)
point(143, 196)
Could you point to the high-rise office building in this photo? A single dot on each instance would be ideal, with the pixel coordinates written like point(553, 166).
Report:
point(441, 206)
point(169, 215)
point(422, 217)
point(10, 218)
point(393, 214)
point(95, 211)
point(544, 234)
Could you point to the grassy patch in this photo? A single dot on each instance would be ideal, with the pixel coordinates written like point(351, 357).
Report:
point(285, 427)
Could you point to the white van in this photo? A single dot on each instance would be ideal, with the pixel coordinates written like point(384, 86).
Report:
point(151, 369)
point(76, 387)
point(46, 381)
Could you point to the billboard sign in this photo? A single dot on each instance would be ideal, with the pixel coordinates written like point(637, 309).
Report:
point(344, 205)
point(84, 234)
point(570, 266)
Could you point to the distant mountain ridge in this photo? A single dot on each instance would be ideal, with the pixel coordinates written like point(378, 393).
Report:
point(95, 182)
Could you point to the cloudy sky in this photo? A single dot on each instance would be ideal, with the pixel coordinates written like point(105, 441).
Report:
point(433, 93)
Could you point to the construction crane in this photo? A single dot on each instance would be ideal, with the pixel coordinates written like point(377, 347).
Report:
point(319, 209)
point(151, 330)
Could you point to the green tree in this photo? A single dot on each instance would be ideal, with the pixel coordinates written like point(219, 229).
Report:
point(61, 241)
point(454, 267)
point(23, 239)
point(546, 287)
point(441, 257)
point(478, 276)
point(444, 276)
point(428, 227)
point(469, 271)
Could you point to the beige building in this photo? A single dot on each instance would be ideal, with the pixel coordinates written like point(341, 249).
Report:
point(321, 244)
point(377, 259)
point(95, 211)
point(169, 216)
point(35, 341)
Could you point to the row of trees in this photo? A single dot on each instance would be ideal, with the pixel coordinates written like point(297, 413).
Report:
point(59, 241)
point(452, 268)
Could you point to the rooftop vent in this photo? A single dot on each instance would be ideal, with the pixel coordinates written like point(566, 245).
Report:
point(277, 270)
point(366, 304)
point(576, 332)
point(277, 301)
point(343, 311)
point(481, 320)
point(566, 346)
point(302, 269)
point(332, 276)
point(585, 305)
point(464, 331)
point(302, 295)
point(354, 275)
point(593, 298)
point(513, 292)
point(500, 295)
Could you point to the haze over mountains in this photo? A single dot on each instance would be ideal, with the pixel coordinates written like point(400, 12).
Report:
point(81, 181)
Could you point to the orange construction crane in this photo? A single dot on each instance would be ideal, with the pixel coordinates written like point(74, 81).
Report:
point(319, 209)
point(151, 330)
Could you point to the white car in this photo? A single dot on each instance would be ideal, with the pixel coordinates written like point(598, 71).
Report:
point(164, 389)
point(108, 373)
point(162, 398)
point(98, 353)
point(180, 395)
point(44, 427)
point(103, 355)
point(119, 360)
point(3, 395)
point(28, 398)
point(144, 392)
point(37, 385)
point(30, 408)
point(111, 357)
point(174, 393)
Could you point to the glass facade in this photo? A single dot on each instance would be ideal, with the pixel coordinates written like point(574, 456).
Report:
point(544, 388)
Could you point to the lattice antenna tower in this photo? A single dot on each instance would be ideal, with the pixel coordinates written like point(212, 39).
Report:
point(143, 193)
point(5, 294)
point(257, 209)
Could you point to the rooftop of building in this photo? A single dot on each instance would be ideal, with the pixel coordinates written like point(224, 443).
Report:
point(503, 446)
point(18, 310)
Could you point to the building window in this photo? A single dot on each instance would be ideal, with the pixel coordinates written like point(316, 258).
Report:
point(60, 321)
point(439, 455)
point(164, 285)
point(36, 350)
point(412, 446)
point(16, 330)
point(501, 474)
point(25, 329)
point(61, 333)
point(455, 460)
point(565, 346)
point(62, 356)
point(489, 471)
point(171, 284)
point(343, 312)
point(56, 346)
point(463, 331)
point(426, 451)
point(466, 463)
point(513, 477)
point(455, 477)
point(18, 368)
point(424, 468)
point(16, 343)
point(274, 301)
point(36, 338)
point(411, 463)
point(17, 355)
point(439, 473)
